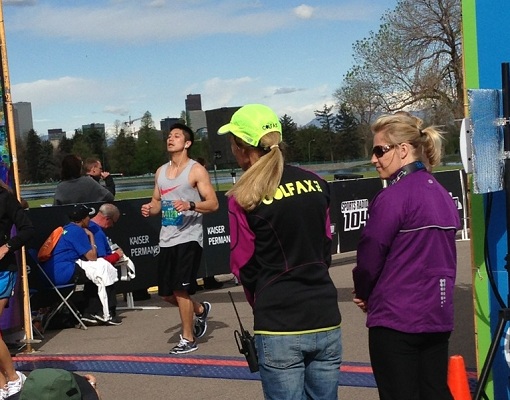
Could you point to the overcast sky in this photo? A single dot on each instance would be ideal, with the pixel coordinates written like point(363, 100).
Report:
point(81, 62)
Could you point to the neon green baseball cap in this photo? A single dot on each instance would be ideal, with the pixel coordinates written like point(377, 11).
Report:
point(251, 122)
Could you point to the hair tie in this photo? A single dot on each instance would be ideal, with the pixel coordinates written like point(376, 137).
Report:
point(273, 146)
point(421, 133)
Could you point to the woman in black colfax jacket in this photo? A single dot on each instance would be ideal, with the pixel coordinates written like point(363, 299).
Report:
point(281, 253)
point(11, 214)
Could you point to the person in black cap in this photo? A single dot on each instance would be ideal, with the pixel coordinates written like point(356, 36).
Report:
point(76, 242)
point(68, 263)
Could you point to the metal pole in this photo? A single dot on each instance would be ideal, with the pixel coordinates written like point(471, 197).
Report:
point(9, 119)
point(216, 178)
point(309, 154)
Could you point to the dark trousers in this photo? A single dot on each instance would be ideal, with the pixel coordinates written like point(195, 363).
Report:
point(91, 303)
point(409, 366)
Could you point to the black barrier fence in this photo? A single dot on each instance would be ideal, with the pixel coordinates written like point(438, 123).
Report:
point(139, 236)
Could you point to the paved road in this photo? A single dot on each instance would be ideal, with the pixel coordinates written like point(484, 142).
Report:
point(156, 331)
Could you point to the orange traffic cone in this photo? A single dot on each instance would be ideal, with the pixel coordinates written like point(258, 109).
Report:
point(457, 379)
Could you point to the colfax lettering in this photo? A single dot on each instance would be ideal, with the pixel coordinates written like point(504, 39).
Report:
point(293, 189)
point(270, 125)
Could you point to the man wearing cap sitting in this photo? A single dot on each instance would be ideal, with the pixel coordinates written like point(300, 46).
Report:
point(71, 261)
point(76, 242)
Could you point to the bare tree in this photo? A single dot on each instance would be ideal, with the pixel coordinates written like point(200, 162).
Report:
point(413, 61)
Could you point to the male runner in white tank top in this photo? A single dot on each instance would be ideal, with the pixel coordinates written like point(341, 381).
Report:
point(182, 193)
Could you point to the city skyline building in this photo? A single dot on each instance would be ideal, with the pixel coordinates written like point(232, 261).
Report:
point(23, 121)
point(94, 126)
point(197, 120)
point(193, 102)
point(219, 145)
point(166, 123)
point(55, 136)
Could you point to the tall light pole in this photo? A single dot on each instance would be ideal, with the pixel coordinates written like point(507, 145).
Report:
point(309, 154)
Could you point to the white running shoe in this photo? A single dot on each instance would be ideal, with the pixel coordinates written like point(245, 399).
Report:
point(14, 387)
point(3, 392)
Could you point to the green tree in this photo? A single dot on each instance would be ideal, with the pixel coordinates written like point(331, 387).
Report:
point(81, 146)
point(95, 138)
point(150, 150)
point(289, 130)
point(147, 121)
point(149, 153)
point(309, 144)
point(326, 119)
point(48, 170)
point(200, 149)
point(21, 153)
point(346, 126)
point(33, 153)
point(122, 153)
point(65, 146)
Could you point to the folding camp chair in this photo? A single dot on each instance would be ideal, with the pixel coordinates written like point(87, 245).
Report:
point(64, 292)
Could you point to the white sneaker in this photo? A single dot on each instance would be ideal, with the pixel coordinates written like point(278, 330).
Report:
point(3, 393)
point(14, 387)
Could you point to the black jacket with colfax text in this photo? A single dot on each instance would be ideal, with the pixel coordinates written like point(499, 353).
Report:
point(281, 252)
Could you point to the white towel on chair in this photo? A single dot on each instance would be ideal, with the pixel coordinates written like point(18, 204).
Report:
point(127, 268)
point(103, 274)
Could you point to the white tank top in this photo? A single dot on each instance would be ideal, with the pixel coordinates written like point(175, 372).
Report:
point(177, 228)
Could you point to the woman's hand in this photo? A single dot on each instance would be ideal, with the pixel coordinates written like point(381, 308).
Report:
point(360, 303)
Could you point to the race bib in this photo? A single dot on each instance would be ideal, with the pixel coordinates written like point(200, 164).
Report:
point(169, 215)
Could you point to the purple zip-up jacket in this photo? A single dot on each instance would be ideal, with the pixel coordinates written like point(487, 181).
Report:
point(406, 256)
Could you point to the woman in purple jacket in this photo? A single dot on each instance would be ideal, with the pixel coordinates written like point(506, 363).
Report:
point(406, 263)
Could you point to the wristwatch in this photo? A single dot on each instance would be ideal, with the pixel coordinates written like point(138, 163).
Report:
point(192, 206)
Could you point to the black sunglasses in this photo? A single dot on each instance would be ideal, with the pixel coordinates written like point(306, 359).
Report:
point(380, 151)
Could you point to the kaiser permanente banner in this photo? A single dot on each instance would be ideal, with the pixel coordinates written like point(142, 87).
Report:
point(139, 236)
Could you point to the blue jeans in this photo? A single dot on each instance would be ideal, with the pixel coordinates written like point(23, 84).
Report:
point(299, 367)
